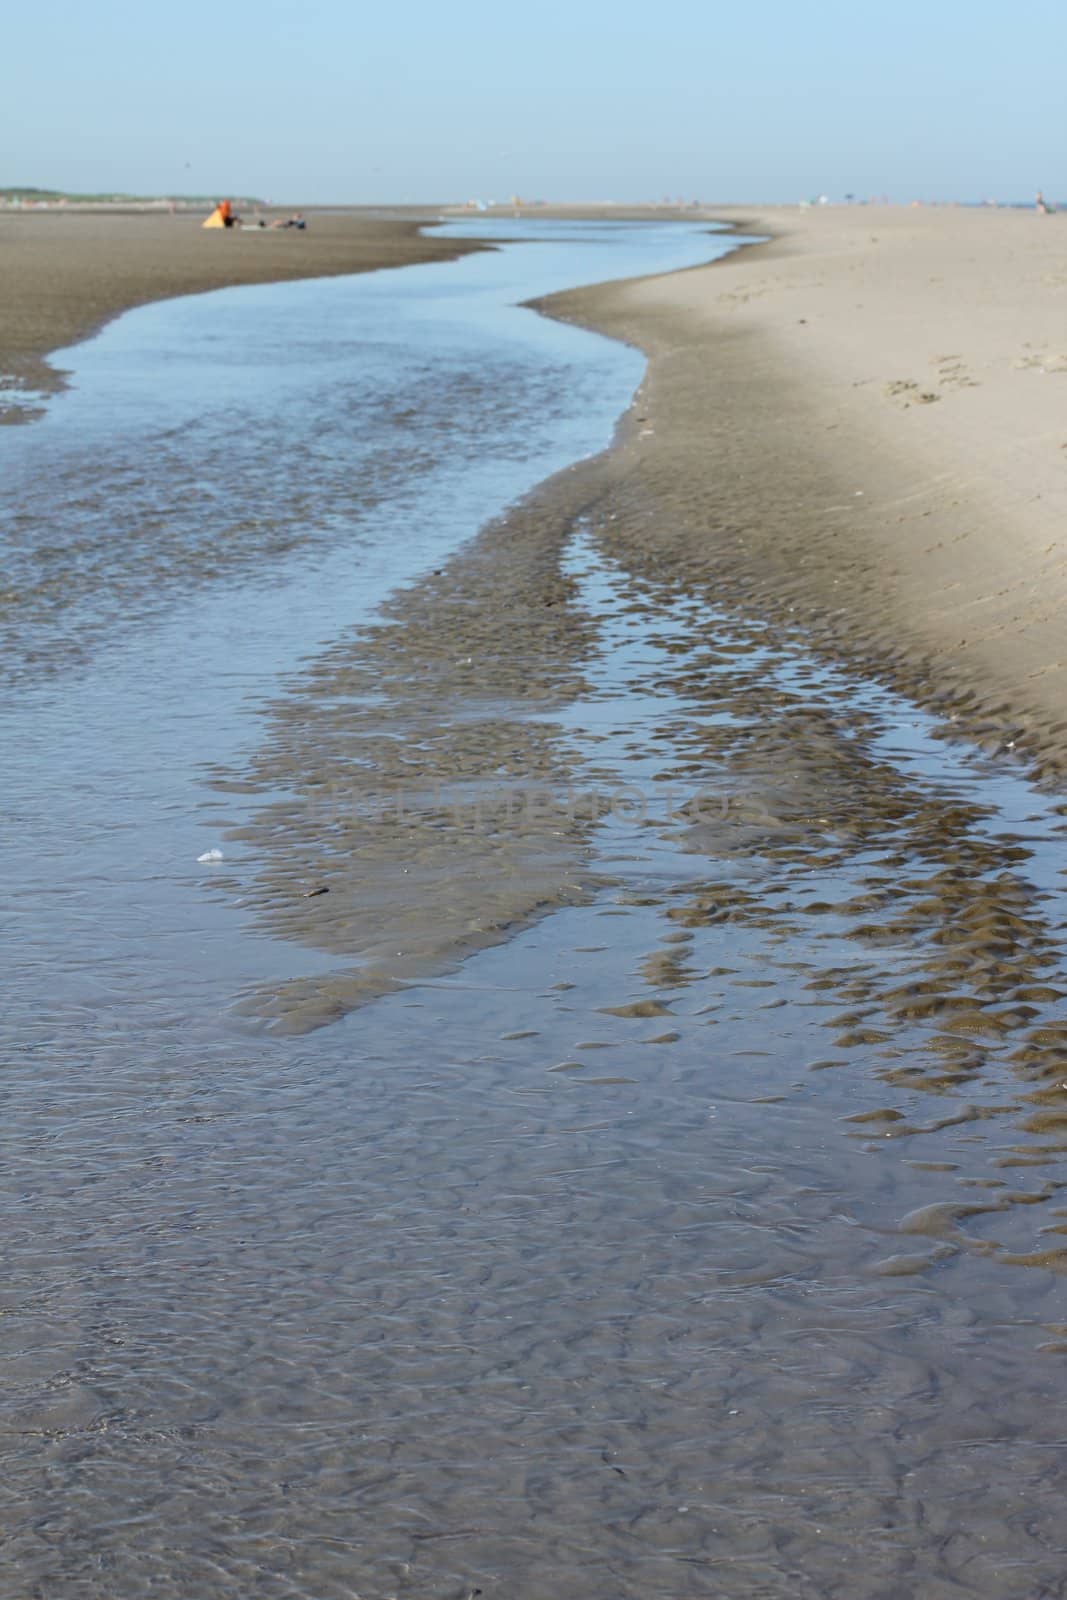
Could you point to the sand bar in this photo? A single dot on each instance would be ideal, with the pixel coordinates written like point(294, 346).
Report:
point(862, 425)
point(65, 274)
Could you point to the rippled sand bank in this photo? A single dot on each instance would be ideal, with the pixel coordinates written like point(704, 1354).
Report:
point(755, 472)
point(703, 1237)
point(862, 425)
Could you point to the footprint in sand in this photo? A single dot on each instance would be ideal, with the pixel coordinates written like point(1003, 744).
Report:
point(741, 297)
point(951, 373)
point(907, 391)
point(1041, 360)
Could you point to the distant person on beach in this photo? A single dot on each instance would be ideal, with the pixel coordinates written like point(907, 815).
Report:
point(1041, 205)
point(223, 216)
point(295, 221)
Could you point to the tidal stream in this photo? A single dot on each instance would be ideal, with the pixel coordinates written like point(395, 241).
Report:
point(702, 1234)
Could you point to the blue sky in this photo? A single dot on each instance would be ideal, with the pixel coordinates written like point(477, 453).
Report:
point(409, 101)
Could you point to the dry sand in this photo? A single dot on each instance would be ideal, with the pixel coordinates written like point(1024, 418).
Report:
point(862, 425)
point(65, 274)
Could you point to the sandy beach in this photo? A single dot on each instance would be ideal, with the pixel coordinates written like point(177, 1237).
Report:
point(533, 823)
point(861, 426)
point(853, 432)
point(534, 1065)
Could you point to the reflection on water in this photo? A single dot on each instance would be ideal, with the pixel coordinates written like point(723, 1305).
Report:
point(587, 1270)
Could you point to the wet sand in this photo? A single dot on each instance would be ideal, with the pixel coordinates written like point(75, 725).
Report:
point(712, 1229)
point(723, 489)
point(862, 425)
point(705, 1238)
point(388, 839)
point(430, 790)
point(65, 274)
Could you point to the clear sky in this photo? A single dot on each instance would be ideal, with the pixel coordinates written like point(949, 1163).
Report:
point(413, 100)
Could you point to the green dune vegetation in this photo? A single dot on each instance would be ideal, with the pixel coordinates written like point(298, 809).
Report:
point(29, 195)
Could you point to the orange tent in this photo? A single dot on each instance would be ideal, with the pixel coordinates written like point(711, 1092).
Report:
point(220, 217)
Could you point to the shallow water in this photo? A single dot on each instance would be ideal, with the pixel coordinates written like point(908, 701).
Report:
point(182, 529)
point(696, 1241)
point(347, 428)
